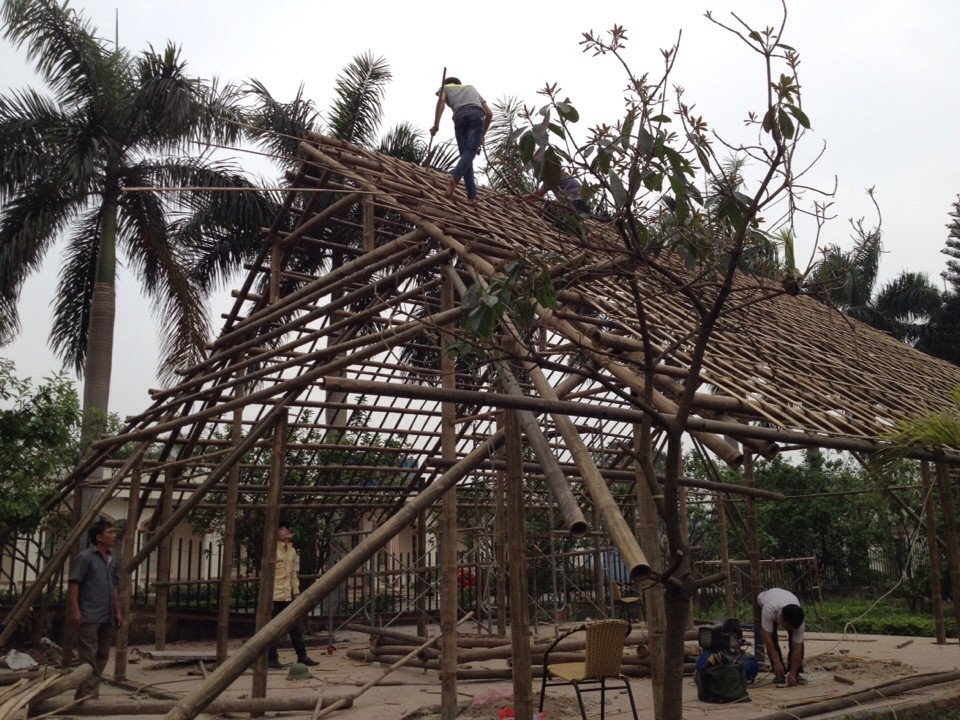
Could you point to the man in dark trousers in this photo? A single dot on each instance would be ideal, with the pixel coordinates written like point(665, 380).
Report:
point(286, 586)
point(471, 118)
point(781, 607)
point(92, 603)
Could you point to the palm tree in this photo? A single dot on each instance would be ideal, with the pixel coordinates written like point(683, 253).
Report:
point(906, 307)
point(88, 165)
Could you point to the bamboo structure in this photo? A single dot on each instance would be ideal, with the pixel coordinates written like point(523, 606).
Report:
point(342, 332)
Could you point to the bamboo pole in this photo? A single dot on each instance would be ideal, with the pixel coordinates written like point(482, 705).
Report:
point(566, 502)
point(219, 706)
point(189, 706)
point(448, 524)
point(268, 556)
point(753, 550)
point(62, 684)
point(164, 557)
point(517, 567)
point(933, 553)
point(881, 693)
point(229, 541)
point(126, 579)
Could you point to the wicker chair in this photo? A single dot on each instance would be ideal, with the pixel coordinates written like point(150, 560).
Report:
point(603, 652)
point(625, 602)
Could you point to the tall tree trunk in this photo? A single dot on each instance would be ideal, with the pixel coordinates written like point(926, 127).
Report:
point(649, 534)
point(98, 365)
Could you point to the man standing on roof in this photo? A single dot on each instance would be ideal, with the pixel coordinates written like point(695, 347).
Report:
point(567, 188)
point(781, 607)
point(471, 118)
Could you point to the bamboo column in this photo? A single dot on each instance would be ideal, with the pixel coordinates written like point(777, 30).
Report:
point(500, 552)
point(420, 582)
point(268, 559)
point(126, 578)
point(930, 517)
point(229, 539)
point(947, 509)
point(448, 537)
point(753, 547)
point(163, 563)
point(720, 500)
point(517, 567)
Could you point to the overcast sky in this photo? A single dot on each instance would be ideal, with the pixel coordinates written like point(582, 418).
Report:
point(878, 79)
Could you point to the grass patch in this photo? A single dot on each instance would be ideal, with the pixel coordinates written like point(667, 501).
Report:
point(890, 617)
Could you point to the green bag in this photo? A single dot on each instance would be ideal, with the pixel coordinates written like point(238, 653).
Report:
point(721, 681)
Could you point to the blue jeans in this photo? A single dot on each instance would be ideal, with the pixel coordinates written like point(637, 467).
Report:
point(468, 127)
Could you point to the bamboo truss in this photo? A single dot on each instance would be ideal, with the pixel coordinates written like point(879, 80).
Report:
point(337, 335)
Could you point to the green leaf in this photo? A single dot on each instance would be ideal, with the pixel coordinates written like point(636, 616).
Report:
point(568, 112)
point(627, 129)
point(528, 146)
point(619, 191)
point(557, 130)
point(677, 161)
point(652, 180)
point(645, 141)
point(768, 120)
point(800, 116)
point(786, 124)
point(660, 119)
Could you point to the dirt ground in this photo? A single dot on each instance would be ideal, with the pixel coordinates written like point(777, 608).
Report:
point(835, 666)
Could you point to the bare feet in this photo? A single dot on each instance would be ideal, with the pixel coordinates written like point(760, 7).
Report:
point(472, 200)
point(451, 186)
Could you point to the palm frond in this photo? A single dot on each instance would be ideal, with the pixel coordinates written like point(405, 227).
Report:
point(169, 108)
point(163, 271)
point(278, 126)
point(28, 123)
point(357, 111)
point(71, 311)
point(909, 295)
point(61, 45)
point(404, 142)
point(217, 227)
point(29, 225)
point(505, 171)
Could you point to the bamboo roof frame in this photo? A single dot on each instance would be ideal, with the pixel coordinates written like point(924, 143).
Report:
point(349, 355)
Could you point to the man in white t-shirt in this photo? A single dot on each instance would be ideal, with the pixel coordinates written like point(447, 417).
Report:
point(781, 607)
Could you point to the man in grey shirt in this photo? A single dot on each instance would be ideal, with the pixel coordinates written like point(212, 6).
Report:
point(92, 603)
point(471, 118)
